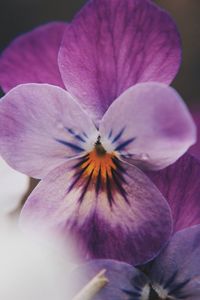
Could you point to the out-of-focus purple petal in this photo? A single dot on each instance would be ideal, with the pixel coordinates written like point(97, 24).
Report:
point(180, 185)
point(40, 127)
point(150, 125)
point(124, 281)
point(32, 57)
point(176, 271)
point(128, 221)
point(112, 45)
point(195, 150)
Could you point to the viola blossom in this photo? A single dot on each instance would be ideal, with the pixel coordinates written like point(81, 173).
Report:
point(80, 151)
point(91, 190)
point(174, 274)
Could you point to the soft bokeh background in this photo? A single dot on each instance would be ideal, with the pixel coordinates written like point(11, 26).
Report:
point(18, 16)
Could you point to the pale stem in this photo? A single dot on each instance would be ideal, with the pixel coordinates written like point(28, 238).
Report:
point(93, 287)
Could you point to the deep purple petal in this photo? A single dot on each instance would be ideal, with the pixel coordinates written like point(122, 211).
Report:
point(195, 150)
point(32, 57)
point(177, 268)
point(40, 127)
point(180, 185)
point(124, 281)
point(149, 125)
point(123, 217)
point(112, 45)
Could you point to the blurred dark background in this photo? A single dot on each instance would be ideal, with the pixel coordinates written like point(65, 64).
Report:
point(19, 16)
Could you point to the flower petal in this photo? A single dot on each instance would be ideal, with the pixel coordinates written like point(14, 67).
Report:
point(33, 57)
point(180, 185)
point(195, 150)
point(112, 45)
point(150, 125)
point(177, 269)
point(40, 127)
point(123, 279)
point(125, 218)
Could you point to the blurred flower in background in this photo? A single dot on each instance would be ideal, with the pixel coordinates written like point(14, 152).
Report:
point(34, 266)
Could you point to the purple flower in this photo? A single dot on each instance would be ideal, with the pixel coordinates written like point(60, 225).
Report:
point(180, 185)
point(195, 150)
point(110, 46)
point(90, 189)
point(174, 274)
point(87, 158)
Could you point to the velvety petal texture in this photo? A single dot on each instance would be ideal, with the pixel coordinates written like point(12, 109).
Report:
point(149, 125)
point(123, 218)
point(124, 281)
point(176, 272)
point(195, 150)
point(32, 57)
point(112, 45)
point(180, 185)
point(44, 127)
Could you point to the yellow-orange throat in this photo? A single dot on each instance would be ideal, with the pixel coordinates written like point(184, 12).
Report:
point(99, 170)
point(99, 163)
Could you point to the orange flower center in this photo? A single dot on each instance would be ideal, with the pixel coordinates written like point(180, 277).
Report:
point(99, 162)
point(101, 171)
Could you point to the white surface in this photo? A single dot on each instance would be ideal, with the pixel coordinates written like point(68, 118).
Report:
point(13, 186)
point(33, 267)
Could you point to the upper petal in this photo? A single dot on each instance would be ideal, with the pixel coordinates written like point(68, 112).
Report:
point(124, 281)
point(32, 57)
point(180, 185)
point(176, 271)
point(40, 127)
point(150, 125)
point(122, 217)
point(111, 45)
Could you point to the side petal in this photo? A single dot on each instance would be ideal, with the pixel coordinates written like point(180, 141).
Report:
point(40, 127)
point(176, 271)
point(125, 219)
point(149, 125)
point(112, 45)
point(32, 57)
point(124, 281)
point(180, 185)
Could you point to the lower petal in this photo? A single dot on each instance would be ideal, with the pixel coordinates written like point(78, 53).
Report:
point(125, 218)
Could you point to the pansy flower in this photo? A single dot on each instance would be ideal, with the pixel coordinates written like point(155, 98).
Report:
point(173, 275)
point(85, 146)
point(90, 190)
